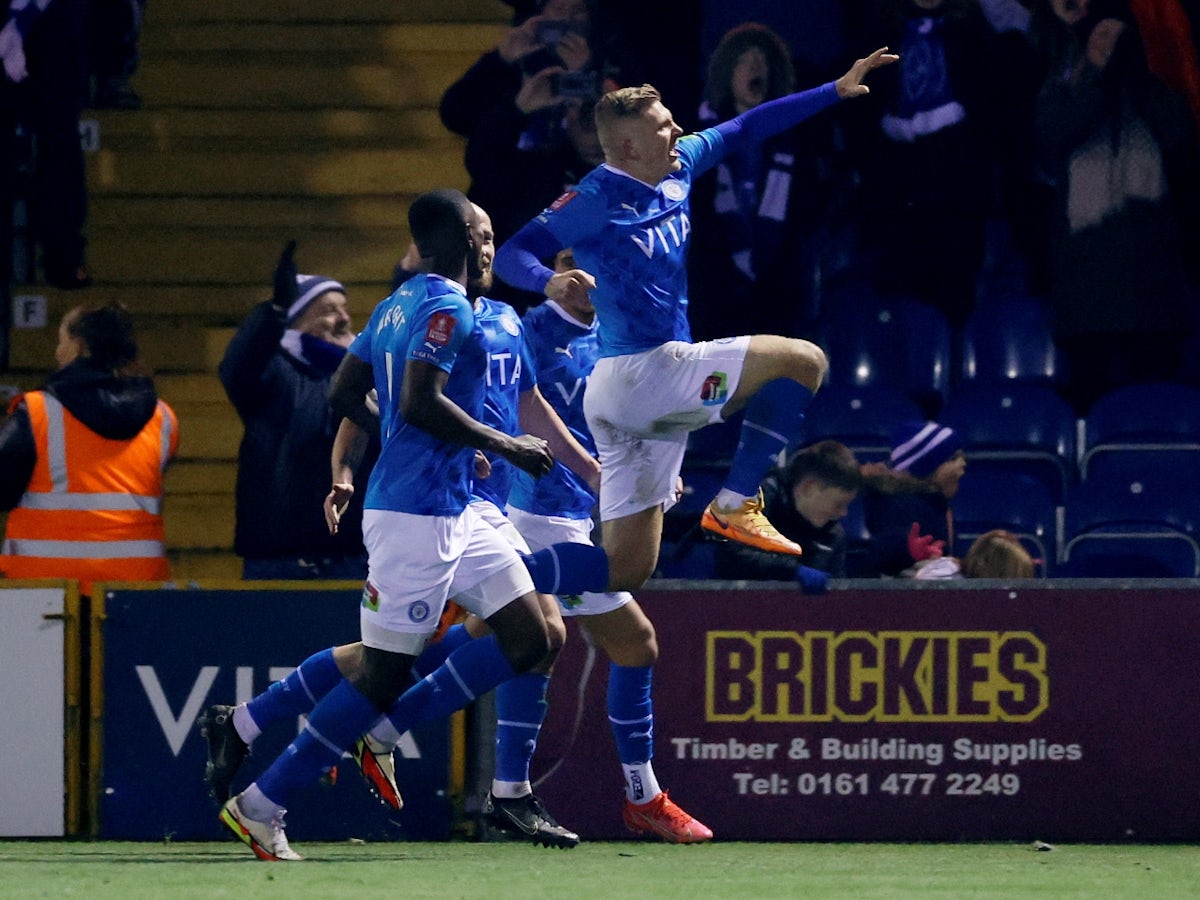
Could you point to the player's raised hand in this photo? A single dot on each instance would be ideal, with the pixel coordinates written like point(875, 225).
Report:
point(530, 454)
point(335, 504)
point(851, 84)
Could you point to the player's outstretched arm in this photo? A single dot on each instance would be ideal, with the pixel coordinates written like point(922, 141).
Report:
point(851, 84)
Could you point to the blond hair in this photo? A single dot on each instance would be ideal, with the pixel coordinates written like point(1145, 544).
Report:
point(623, 103)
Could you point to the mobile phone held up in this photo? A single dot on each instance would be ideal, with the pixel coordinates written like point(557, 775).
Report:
point(551, 31)
point(576, 85)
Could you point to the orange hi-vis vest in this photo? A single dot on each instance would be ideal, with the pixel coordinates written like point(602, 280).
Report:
point(93, 508)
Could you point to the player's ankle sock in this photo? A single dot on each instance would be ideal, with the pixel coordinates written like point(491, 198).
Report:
point(641, 784)
point(631, 717)
point(773, 420)
point(436, 653)
point(292, 696)
point(334, 724)
point(520, 712)
point(568, 569)
point(469, 672)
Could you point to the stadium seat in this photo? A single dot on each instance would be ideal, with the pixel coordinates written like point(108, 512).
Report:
point(1131, 529)
point(715, 443)
point(1016, 428)
point(894, 341)
point(1022, 504)
point(1143, 419)
point(861, 417)
point(1008, 338)
point(692, 557)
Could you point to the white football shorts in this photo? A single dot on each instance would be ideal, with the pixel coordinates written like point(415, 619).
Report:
point(640, 409)
point(541, 532)
point(415, 563)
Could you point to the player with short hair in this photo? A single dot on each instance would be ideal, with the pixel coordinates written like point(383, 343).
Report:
point(628, 225)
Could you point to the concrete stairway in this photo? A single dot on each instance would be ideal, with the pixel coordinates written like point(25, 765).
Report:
point(262, 122)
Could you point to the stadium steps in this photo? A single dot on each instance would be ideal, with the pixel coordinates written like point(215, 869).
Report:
point(261, 122)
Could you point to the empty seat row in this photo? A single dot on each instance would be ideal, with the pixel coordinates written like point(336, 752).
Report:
point(908, 346)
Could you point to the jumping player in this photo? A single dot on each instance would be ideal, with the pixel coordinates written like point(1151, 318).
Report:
point(628, 224)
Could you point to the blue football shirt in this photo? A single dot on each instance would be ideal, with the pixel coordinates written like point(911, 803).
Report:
point(428, 319)
point(564, 351)
point(633, 238)
point(510, 371)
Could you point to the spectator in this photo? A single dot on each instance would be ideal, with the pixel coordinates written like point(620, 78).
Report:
point(276, 372)
point(998, 554)
point(994, 554)
point(1106, 131)
point(42, 92)
point(758, 215)
point(518, 179)
point(930, 170)
point(565, 36)
point(907, 504)
point(806, 498)
point(82, 461)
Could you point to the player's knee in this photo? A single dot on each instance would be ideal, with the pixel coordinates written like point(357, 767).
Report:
point(629, 574)
point(526, 647)
point(811, 364)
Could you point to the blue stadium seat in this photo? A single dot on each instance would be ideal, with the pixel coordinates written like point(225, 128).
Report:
point(691, 557)
point(1022, 504)
point(894, 341)
point(1142, 419)
point(861, 417)
point(1016, 428)
point(1130, 528)
point(1008, 338)
point(715, 443)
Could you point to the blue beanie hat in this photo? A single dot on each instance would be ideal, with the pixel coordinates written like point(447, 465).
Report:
point(920, 447)
point(308, 289)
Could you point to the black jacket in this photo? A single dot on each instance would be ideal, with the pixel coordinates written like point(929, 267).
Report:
point(283, 460)
point(114, 407)
point(890, 517)
point(824, 548)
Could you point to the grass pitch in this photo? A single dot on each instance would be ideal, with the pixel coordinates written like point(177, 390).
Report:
point(597, 870)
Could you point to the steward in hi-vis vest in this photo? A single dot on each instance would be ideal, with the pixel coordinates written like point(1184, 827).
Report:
point(82, 461)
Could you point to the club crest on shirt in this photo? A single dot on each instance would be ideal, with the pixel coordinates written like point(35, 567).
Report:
point(440, 328)
point(418, 611)
point(674, 190)
point(510, 324)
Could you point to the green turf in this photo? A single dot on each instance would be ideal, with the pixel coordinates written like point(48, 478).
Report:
point(593, 870)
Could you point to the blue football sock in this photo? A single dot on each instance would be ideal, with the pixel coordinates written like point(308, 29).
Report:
point(470, 671)
point(520, 712)
point(436, 653)
point(335, 724)
point(631, 712)
point(773, 420)
point(297, 694)
point(568, 569)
